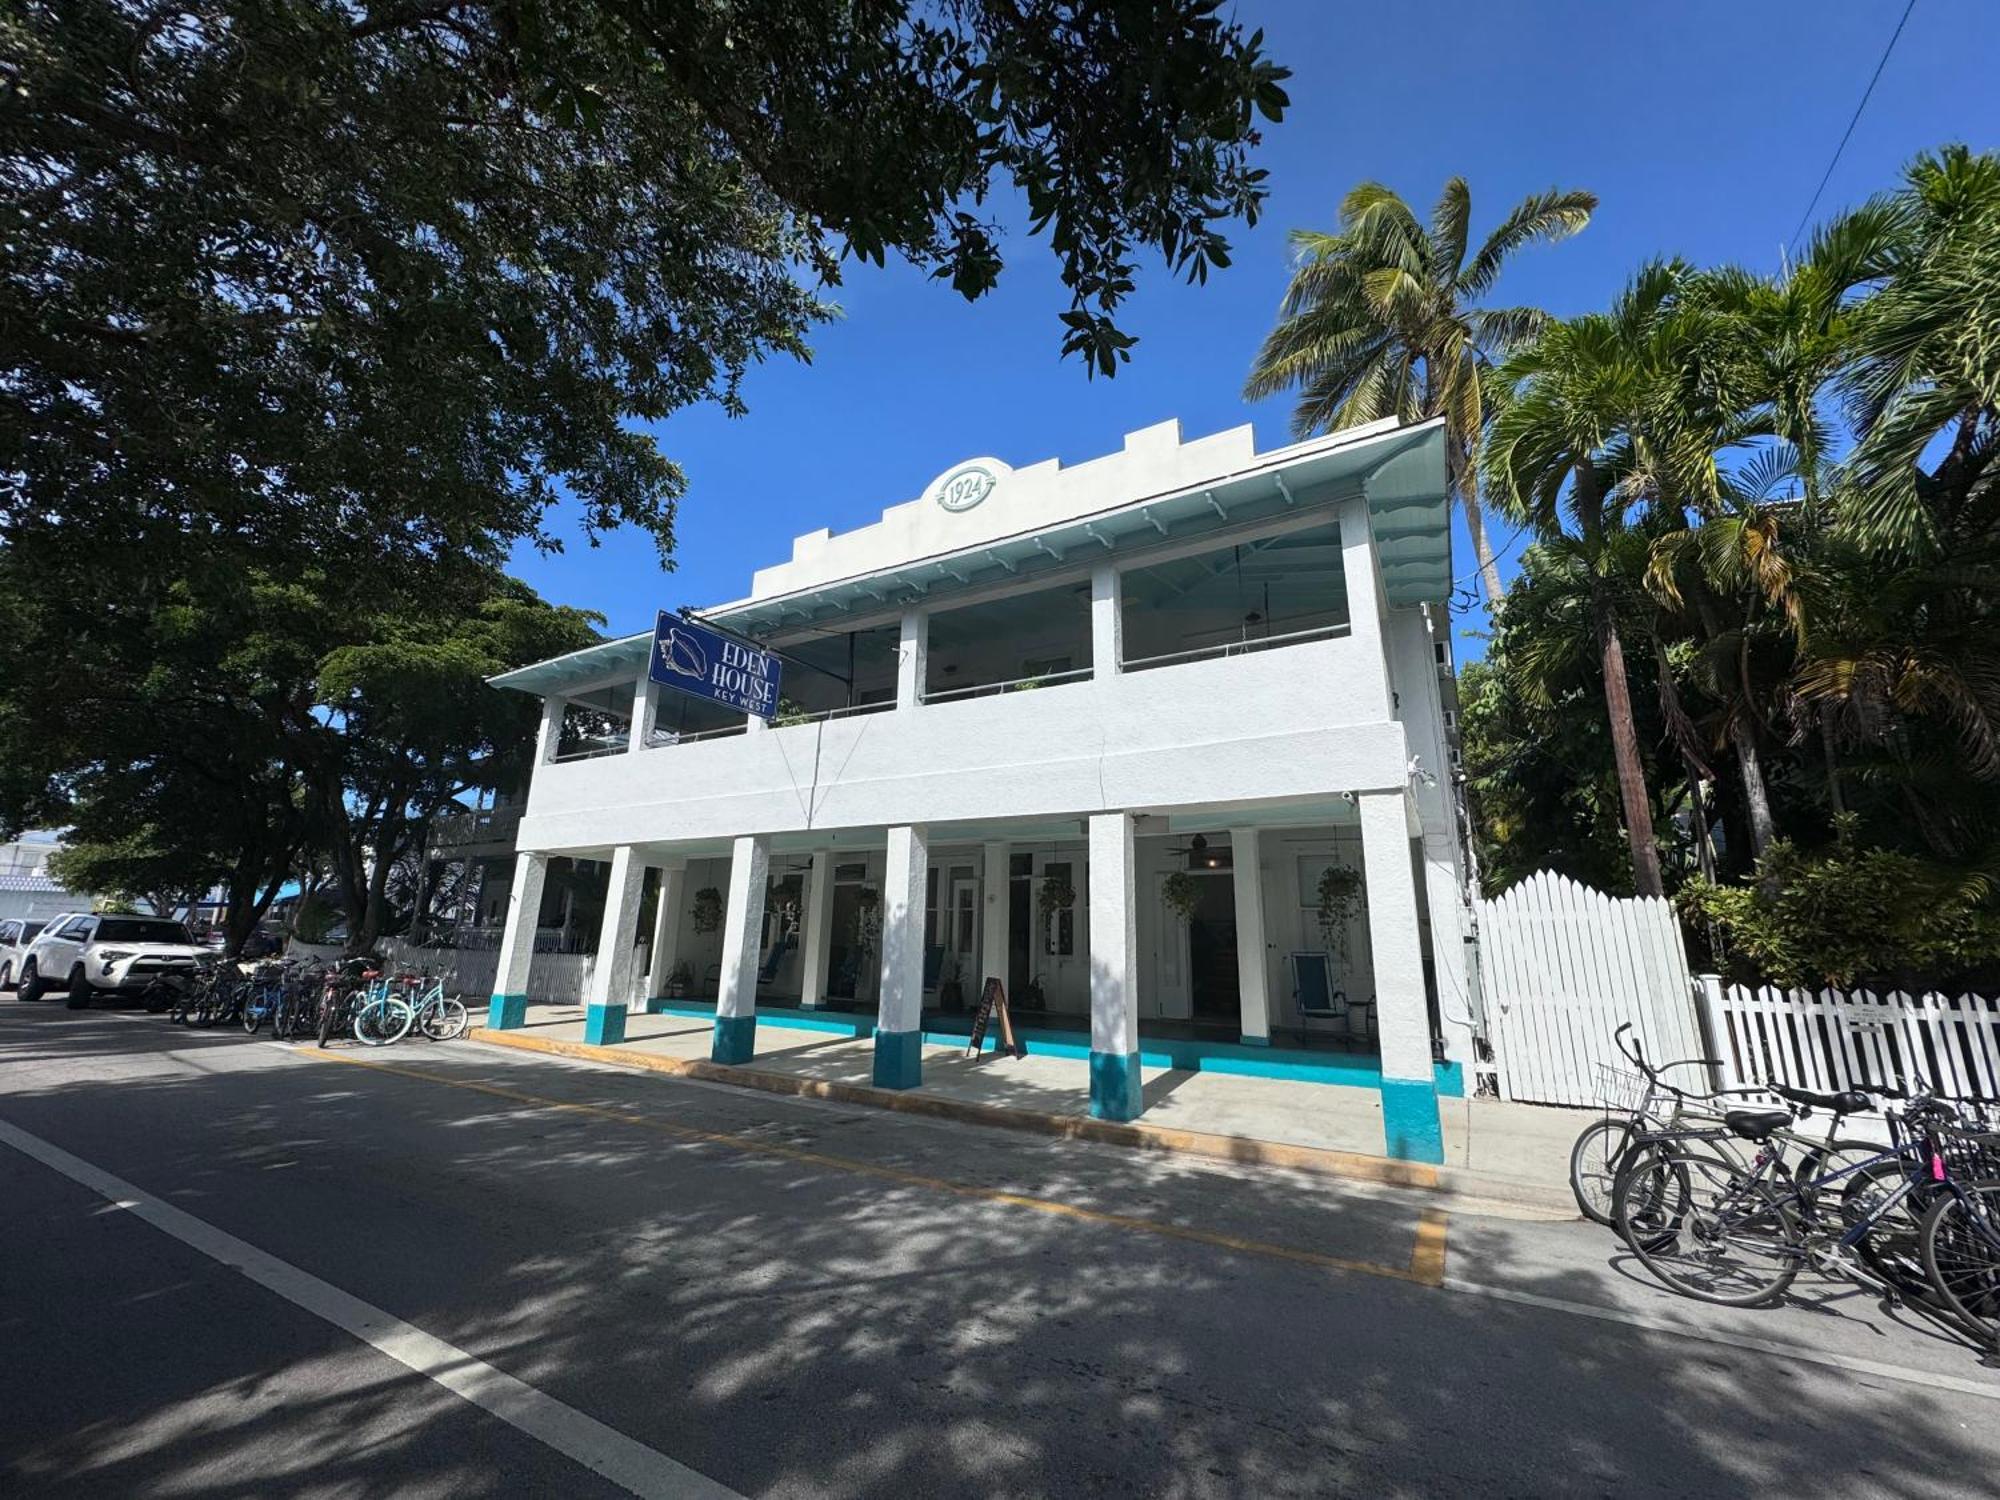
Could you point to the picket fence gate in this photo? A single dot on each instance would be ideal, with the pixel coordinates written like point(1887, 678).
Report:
point(1829, 1040)
point(1561, 967)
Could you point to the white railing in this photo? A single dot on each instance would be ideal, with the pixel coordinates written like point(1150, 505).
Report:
point(845, 711)
point(486, 825)
point(660, 739)
point(1011, 685)
point(1829, 1040)
point(1234, 648)
point(599, 748)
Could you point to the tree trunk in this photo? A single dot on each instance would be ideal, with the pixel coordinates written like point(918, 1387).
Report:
point(1755, 795)
point(1466, 478)
point(1625, 749)
point(1836, 798)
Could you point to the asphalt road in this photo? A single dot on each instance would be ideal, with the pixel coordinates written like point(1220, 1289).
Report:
point(229, 1267)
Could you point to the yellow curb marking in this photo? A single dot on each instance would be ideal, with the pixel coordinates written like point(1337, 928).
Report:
point(1426, 1267)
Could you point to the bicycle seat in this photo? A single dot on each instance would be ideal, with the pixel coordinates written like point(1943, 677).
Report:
point(1756, 1124)
point(1849, 1102)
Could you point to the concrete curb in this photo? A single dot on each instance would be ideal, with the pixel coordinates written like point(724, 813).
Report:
point(1449, 1182)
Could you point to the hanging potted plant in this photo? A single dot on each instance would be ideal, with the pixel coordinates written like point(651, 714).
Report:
point(707, 909)
point(1339, 897)
point(1179, 892)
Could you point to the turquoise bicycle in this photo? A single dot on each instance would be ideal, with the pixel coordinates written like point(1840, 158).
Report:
point(393, 1007)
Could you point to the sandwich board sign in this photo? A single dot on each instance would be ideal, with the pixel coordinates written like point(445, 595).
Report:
point(993, 999)
point(699, 660)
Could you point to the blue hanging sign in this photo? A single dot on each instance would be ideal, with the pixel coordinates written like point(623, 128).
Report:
point(708, 664)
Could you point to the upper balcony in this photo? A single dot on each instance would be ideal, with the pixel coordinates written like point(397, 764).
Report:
point(1197, 645)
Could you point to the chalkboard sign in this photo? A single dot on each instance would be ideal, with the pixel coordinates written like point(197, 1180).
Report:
point(993, 999)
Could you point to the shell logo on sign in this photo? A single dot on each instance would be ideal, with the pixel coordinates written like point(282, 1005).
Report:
point(965, 486)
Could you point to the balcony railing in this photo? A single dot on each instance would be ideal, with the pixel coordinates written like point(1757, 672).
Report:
point(1012, 685)
point(486, 825)
point(1235, 648)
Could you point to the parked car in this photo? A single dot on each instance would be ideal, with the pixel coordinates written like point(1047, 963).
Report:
point(15, 935)
point(89, 955)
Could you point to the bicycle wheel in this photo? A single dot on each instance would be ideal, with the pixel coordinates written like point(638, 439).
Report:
point(1892, 1246)
point(383, 1021)
point(1707, 1230)
point(1594, 1162)
point(444, 1019)
point(253, 1015)
point(1961, 1252)
point(330, 1008)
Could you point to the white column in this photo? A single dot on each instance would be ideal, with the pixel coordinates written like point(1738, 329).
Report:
point(611, 974)
point(819, 930)
point(995, 914)
point(549, 738)
point(1107, 622)
point(1253, 969)
point(1115, 1087)
point(900, 1019)
point(1402, 1016)
point(667, 924)
point(645, 693)
point(1364, 608)
point(742, 946)
point(912, 655)
point(509, 1007)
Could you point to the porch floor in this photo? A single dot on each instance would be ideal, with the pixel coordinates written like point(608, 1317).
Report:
point(1524, 1142)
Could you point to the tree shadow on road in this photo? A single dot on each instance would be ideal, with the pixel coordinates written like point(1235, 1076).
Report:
point(803, 1309)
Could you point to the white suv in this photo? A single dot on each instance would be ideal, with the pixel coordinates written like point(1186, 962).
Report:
point(86, 955)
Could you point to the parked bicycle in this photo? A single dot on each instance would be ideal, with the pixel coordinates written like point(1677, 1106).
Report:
point(404, 1003)
point(1732, 1211)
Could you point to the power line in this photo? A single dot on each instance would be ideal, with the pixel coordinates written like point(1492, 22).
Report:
point(1848, 133)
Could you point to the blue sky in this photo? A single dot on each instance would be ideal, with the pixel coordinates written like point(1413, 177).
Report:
point(1703, 128)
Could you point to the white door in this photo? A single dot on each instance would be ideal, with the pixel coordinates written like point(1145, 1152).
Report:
point(961, 936)
point(1060, 953)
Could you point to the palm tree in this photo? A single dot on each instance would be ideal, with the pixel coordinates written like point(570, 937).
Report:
point(1568, 435)
point(1379, 322)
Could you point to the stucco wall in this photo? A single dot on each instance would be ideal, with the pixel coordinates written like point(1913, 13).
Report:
point(1272, 725)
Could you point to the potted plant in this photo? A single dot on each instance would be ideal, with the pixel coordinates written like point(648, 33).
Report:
point(680, 980)
point(1179, 892)
point(707, 909)
point(1339, 897)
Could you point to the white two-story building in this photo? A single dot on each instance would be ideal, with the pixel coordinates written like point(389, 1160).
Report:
point(1162, 741)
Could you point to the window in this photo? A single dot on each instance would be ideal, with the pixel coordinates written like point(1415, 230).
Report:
point(30, 931)
point(141, 930)
point(1269, 591)
point(1059, 926)
point(1036, 639)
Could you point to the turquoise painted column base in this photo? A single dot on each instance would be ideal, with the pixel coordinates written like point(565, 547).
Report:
point(1116, 1091)
point(604, 1025)
point(507, 1012)
point(1254, 1041)
point(1410, 1123)
point(899, 1059)
point(735, 1039)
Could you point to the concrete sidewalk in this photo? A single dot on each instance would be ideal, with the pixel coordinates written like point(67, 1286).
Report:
point(1516, 1154)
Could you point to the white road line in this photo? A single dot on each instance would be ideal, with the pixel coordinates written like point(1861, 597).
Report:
point(618, 1458)
point(1778, 1348)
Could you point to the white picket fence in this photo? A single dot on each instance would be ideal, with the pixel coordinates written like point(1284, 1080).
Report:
point(1561, 967)
point(1830, 1040)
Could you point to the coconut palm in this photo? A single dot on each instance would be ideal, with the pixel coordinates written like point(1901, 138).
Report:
point(1568, 439)
point(1379, 321)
